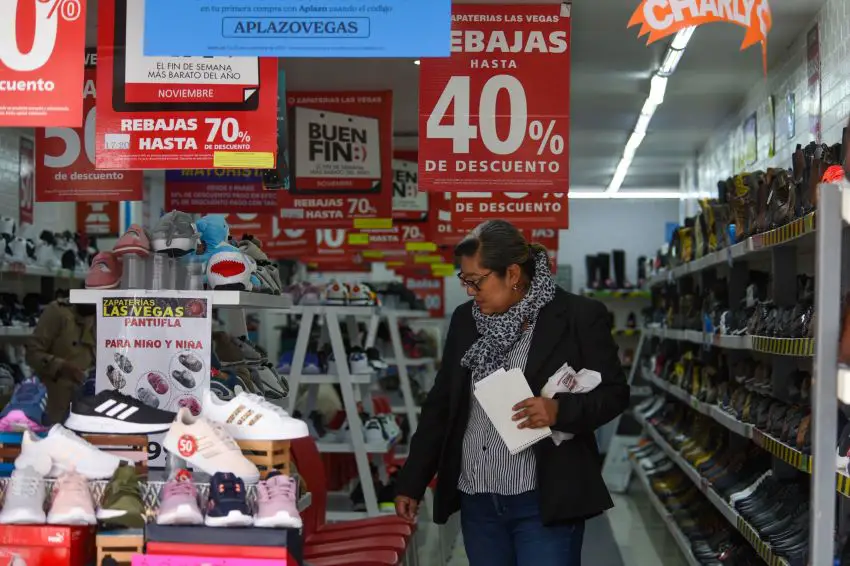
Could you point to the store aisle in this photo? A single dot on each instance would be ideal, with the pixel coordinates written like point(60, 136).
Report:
point(631, 534)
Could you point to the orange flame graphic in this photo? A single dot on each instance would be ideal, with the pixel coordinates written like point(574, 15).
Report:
point(661, 18)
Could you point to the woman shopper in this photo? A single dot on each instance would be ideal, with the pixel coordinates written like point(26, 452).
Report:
point(529, 508)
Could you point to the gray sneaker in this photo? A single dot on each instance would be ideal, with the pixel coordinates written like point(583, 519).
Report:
point(24, 503)
point(147, 397)
point(175, 235)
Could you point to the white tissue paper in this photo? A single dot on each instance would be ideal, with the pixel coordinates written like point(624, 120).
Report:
point(567, 380)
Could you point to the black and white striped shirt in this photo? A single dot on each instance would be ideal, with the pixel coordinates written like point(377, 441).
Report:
point(487, 465)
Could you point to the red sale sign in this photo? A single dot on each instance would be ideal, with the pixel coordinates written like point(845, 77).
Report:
point(524, 210)
point(495, 115)
point(210, 191)
point(65, 158)
point(342, 161)
point(432, 292)
point(179, 112)
point(41, 54)
point(290, 244)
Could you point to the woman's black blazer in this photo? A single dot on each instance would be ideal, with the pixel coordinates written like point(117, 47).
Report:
point(570, 329)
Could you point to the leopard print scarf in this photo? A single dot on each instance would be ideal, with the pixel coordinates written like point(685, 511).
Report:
point(499, 332)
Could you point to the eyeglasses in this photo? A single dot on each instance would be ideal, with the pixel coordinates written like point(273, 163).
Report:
point(475, 285)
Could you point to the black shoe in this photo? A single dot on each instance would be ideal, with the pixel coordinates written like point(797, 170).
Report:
point(111, 412)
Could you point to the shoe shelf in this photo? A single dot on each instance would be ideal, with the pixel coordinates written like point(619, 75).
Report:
point(22, 269)
point(617, 293)
point(333, 379)
point(236, 299)
point(713, 411)
point(792, 233)
point(728, 512)
point(797, 347)
point(702, 338)
point(411, 362)
point(681, 540)
point(625, 332)
point(16, 331)
point(326, 447)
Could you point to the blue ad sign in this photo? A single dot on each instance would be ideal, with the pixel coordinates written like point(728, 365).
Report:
point(318, 28)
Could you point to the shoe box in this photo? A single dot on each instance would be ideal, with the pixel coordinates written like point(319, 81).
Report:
point(223, 542)
point(178, 560)
point(47, 545)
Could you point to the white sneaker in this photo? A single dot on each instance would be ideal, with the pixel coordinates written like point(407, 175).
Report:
point(359, 295)
point(18, 247)
point(7, 227)
point(336, 293)
point(250, 417)
point(68, 452)
point(374, 432)
point(45, 256)
point(207, 446)
point(358, 362)
point(24, 503)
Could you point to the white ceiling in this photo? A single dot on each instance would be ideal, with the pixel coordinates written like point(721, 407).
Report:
point(611, 68)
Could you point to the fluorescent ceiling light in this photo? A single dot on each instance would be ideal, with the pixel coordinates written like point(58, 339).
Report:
point(658, 87)
point(682, 38)
point(671, 61)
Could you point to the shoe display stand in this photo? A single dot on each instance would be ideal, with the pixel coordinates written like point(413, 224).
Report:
point(783, 252)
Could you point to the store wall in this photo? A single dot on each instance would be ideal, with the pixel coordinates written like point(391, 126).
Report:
point(715, 162)
point(635, 226)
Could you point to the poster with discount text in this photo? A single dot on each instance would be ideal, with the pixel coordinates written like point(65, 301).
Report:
point(65, 158)
point(342, 161)
point(212, 191)
point(548, 238)
point(179, 112)
point(42, 44)
point(296, 245)
point(26, 180)
point(98, 218)
point(525, 210)
point(495, 115)
point(155, 346)
point(441, 227)
point(431, 290)
point(317, 28)
point(409, 203)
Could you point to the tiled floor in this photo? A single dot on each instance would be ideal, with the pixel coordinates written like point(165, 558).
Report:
point(638, 532)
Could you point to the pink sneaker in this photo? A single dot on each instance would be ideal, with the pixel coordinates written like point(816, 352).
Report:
point(72, 501)
point(179, 502)
point(134, 241)
point(105, 272)
point(276, 503)
point(158, 383)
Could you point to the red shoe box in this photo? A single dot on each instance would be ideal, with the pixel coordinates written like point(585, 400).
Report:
point(42, 545)
point(220, 551)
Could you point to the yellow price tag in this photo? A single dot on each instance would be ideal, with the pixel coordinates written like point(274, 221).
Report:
point(243, 159)
point(373, 223)
point(372, 254)
point(358, 239)
point(427, 259)
point(420, 246)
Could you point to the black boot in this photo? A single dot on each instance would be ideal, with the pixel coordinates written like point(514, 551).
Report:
point(641, 271)
point(604, 266)
point(620, 269)
point(590, 264)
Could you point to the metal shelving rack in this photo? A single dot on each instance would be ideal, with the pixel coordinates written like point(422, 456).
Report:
point(782, 251)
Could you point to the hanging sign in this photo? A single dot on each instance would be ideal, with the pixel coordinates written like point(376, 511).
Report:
point(296, 245)
point(662, 18)
point(41, 54)
point(442, 230)
point(98, 218)
point(524, 210)
point(409, 203)
point(495, 115)
point(257, 225)
point(65, 158)
point(342, 159)
point(318, 28)
point(155, 346)
point(179, 112)
point(211, 191)
point(431, 290)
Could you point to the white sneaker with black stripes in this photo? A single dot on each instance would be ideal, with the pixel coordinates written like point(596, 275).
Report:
point(111, 412)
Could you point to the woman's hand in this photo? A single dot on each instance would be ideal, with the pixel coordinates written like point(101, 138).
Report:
point(536, 412)
point(406, 508)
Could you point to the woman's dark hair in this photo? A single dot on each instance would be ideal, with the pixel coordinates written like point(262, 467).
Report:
point(499, 245)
